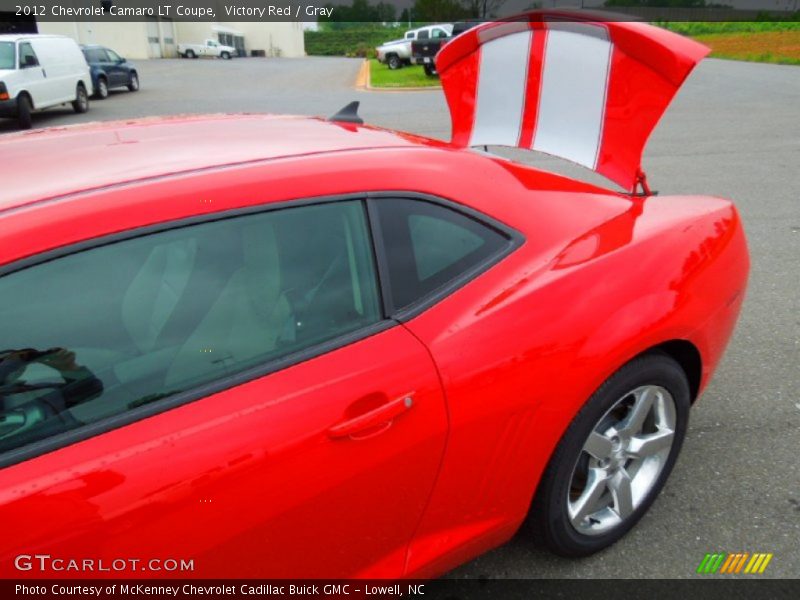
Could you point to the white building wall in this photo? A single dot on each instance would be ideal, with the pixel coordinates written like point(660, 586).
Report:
point(129, 39)
point(193, 32)
point(275, 39)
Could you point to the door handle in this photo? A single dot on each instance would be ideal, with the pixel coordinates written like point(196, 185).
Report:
point(383, 415)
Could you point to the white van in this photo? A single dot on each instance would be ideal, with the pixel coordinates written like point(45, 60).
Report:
point(40, 71)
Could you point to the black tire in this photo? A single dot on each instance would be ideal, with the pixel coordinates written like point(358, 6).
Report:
point(102, 89)
point(393, 62)
point(430, 70)
point(190, 54)
point(24, 110)
point(226, 55)
point(549, 519)
point(81, 102)
point(133, 82)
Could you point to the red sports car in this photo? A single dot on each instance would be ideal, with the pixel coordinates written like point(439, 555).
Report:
point(322, 349)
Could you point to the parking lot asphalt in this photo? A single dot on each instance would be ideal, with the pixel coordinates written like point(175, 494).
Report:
point(733, 131)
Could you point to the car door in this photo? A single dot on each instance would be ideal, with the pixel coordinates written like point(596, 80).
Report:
point(117, 74)
point(33, 76)
point(228, 396)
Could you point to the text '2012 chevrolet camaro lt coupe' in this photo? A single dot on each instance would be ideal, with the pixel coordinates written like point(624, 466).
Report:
point(323, 349)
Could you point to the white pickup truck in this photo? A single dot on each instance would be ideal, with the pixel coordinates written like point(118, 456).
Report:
point(397, 53)
point(210, 48)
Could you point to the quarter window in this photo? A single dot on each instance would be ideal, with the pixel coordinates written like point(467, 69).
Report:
point(429, 246)
point(106, 330)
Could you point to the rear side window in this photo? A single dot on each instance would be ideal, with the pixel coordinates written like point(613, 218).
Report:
point(423, 35)
point(106, 330)
point(429, 246)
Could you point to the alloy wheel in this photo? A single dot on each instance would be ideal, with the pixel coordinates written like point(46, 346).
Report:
point(621, 460)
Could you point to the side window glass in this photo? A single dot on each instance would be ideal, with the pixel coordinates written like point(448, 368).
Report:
point(7, 55)
point(427, 246)
point(27, 57)
point(112, 56)
point(423, 35)
point(96, 55)
point(106, 330)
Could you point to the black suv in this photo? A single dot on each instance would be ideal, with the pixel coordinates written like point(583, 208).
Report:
point(423, 52)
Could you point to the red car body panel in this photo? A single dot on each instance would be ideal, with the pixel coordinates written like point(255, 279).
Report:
point(249, 481)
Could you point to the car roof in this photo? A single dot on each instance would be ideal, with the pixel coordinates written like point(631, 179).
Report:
point(15, 37)
point(79, 158)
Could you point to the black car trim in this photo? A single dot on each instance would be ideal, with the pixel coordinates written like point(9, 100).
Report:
point(390, 317)
point(514, 240)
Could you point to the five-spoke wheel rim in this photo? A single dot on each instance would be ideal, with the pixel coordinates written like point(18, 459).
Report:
point(621, 460)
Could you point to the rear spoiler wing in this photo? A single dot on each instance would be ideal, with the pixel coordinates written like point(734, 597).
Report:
point(568, 84)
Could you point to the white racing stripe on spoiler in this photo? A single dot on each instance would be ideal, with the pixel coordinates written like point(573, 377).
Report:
point(500, 100)
point(572, 103)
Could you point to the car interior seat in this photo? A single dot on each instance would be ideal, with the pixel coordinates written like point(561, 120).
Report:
point(247, 319)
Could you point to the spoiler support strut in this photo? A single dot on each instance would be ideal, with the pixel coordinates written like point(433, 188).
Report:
point(641, 182)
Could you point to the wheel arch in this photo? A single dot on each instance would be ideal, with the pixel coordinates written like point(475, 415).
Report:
point(27, 94)
point(687, 355)
point(681, 350)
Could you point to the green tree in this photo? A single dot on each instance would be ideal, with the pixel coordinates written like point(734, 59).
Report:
point(482, 9)
point(439, 10)
point(358, 13)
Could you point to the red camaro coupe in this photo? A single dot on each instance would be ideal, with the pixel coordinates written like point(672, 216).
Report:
point(322, 349)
